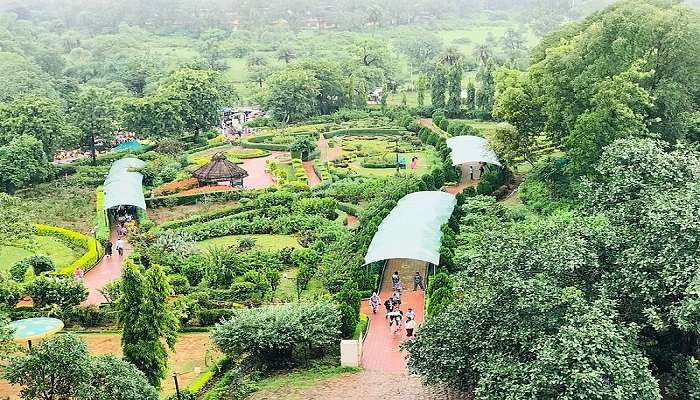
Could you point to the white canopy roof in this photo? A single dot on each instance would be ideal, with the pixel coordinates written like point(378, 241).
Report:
point(123, 186)
point(412, 228)
point(466, 149)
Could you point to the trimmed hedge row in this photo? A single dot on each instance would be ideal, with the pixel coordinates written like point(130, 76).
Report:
point(364, 132)
point(322, 171)
point(101, 226)
point(93, 249)
point(258, 142)
point(187, 199)
point(197, 219)
point(349, 208)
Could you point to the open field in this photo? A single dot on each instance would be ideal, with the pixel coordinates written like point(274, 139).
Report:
point(61, 254)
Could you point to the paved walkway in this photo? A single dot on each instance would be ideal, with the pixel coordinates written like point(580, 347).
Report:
point(380, 350)
point(314, 180)
point(107, 270)
point(257, 177)
point(465, 181)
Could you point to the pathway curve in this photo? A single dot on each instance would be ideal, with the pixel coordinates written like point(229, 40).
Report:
point(465, 182)
point(428, 123)
point(380, 350)
point(311, 174)
point(257, 177)
point(107, 270)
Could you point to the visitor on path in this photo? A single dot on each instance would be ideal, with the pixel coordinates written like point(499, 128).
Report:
point(108, 248)
point(395, 320)
point(395, 280)
point(374, 301)
point(410, 326)
point(396, 297)
point(411, 314)
point(78, 274)
point(418, 281)
point(414, 162)
point(481, 169)
point(389, 306)
point(471, 172)
point(120, 247)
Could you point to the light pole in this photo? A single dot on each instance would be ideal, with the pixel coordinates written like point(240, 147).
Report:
point(177, 387)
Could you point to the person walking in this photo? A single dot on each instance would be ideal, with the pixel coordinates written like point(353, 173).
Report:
point(411, 314)
point(481, 169)
point(108, 248)
point(374, 302)
point(410, 326)
point(389, 306)
point(414, 162)
point(471, 172)
point(395, 280)
point(396, 298)
point(120, 247)
point(78, 274)
point(418, 281)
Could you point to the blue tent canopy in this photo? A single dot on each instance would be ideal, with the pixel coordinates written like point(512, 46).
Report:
point(412, 228)
point(123, 186)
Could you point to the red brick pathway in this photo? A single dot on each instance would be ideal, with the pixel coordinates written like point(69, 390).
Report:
point(257, 177)
point(380, 350)
point(311, 174)
point(107, 270)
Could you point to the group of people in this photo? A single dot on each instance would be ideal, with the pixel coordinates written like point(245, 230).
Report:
point(482, 169)
point(394, 314)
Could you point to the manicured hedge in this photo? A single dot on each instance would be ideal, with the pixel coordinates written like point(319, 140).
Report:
point(349, 208)
point(101, 226)
point(93, 249)
point(111, 157)
point(364, 132)
point(198, 219)
point(181, 200)
point(258, 142)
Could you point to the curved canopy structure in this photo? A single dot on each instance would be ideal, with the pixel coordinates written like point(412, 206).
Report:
point(123, 187)
point(412, 228)
point(468, 149)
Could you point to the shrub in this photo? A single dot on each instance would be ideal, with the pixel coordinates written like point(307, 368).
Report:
point(18, 269)
point(88, 316)
point(492, 179)
point(10, 292)
point(49, 291)
point(277, 336)
point(101, 228)
point(322, 206)
point(179, 283)
point(349, 304)
point(363, 132)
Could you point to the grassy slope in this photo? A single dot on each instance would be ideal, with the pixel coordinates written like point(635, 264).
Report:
point(272, 242)
point(60, 253)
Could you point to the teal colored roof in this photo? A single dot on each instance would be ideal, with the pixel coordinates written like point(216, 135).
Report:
point(34, 328)
point(123, 186)
point(412, 228)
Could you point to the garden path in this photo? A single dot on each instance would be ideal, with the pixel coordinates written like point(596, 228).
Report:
point(428, 123)
point(107, 270)
point(311, 174)
point(257, 177)
point(465, 181)
point(380, 350)
point(328, 153)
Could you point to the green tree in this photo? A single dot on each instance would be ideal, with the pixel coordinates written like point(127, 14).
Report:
point(95, 115)
point(291, 94)
point(40, 117)
point(148, 321)
point(22, 161)
point(438, 86)
point(421, 85)
point(454, 90)
point(331, 94)
point(155, 116)
point(471, 95)
point(115, 379)
point(57, 368)
point(199, 95)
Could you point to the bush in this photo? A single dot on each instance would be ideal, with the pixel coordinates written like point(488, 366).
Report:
point(349, 304)
point(101, 228)
point(49, 291)
point(10, 292)
point(492, 179)
point(88, 316)
point(363, 132)
point(179, 283)
point(278, 336)
point(210, 317)
point(92, 247)
point(18, 269)
point(194, 198)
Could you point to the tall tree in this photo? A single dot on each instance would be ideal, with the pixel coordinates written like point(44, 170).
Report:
point(421, 84)
point(40, 117)
point(291, 94)
point(22, 161)
point(200, 94)
point(454, 90)
point(438, 85)
point(331, 94)
point(155, 116)
point(95, 116)
point(471, 96)
point(147, 320)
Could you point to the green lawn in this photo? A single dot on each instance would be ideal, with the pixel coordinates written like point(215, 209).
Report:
point(303, 379)
point(286, 291)
point(61, 254)
point(271, 242)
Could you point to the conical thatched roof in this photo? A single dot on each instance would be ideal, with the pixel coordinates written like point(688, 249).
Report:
point(219, 169)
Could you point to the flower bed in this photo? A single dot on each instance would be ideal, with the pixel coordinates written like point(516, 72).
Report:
point(175, 187)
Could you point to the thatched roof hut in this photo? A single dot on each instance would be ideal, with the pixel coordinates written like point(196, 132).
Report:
point(219, 170)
